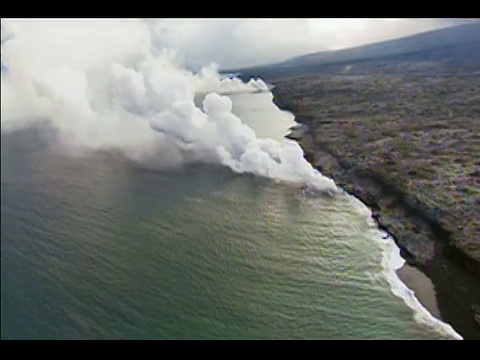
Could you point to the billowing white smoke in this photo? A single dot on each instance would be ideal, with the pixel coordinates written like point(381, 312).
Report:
point(209, 80)
point(100, 92)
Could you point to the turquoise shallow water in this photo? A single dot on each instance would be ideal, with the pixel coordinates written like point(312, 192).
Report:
point(96, 247)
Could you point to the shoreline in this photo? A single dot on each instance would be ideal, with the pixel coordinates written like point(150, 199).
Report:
point(410, 275)
point(432, 277)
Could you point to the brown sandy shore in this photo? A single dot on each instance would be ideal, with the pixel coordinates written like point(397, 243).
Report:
point(409, 150)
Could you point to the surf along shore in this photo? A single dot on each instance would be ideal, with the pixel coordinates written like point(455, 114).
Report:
point(405, 146)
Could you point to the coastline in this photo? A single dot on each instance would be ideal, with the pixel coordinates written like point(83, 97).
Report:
point(432, 277)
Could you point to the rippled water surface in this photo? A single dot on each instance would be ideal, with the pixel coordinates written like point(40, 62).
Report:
point(98, 247)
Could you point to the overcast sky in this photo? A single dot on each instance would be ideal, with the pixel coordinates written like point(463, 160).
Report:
point(246, 42)
point(234, 43)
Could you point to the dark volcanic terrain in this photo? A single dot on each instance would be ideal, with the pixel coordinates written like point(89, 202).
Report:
point(401, 131)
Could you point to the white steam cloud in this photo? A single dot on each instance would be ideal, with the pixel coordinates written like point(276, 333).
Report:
point(102, 85)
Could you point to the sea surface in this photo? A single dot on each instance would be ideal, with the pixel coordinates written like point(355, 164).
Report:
point(98, 247)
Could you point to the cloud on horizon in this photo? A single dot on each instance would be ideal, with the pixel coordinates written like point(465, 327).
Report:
point(236, 43)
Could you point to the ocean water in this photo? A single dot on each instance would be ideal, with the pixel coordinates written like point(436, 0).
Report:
point(97, 247)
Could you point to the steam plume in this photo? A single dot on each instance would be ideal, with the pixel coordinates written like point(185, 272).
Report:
point(102, 85)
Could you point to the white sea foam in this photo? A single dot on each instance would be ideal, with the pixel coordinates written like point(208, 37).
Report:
point(391, 262)
point(109, 90)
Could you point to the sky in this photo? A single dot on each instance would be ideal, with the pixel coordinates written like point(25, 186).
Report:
point(237, 43)
point(247, 42)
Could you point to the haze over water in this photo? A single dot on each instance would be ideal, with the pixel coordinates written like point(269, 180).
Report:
point(97, 246)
